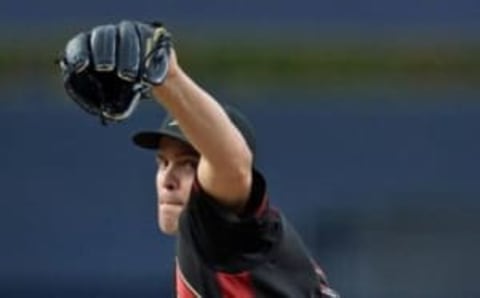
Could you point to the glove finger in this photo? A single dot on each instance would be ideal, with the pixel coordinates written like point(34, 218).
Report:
point(145, 33)
point(103, 45)
point(157, 50)
point(157, 66)
point(129, 56)
point(76, 57)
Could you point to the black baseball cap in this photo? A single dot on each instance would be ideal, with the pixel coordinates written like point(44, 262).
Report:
point(170, 128)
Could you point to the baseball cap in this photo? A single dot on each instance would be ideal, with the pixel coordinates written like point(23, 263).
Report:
point(170, 128)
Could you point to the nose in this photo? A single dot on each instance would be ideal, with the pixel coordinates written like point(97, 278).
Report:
point(168, 179)
point(169, 185)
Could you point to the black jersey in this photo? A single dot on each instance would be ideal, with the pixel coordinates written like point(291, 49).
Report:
point(254, 254)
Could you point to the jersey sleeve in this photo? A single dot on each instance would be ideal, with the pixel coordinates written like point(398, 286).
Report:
point(226, 240)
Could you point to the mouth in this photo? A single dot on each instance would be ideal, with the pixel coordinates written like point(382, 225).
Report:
point(171, 203)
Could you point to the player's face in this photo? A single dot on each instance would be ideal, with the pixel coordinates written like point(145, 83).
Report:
point(177, 163)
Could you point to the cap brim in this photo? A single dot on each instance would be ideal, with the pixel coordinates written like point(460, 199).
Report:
point(151, 139)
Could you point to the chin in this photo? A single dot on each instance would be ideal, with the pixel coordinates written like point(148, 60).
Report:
point(168, 225)
point(168, 216)
point(168, 229)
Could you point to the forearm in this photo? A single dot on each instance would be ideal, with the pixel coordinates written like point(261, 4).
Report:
point(205, 124)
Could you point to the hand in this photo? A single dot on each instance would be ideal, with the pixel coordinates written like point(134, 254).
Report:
point(108, 69)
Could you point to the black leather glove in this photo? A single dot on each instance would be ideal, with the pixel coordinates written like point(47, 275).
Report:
point(109, 69)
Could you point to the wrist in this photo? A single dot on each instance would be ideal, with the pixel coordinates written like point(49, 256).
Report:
point(165, 90)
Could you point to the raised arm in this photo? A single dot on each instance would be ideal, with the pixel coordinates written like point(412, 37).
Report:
point(225, 165)
point(107, 69)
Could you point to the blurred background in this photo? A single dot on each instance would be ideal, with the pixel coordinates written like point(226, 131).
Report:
point(367, 115)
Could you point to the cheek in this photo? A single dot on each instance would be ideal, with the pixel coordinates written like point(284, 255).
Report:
point(187, 186)
point(158, 181)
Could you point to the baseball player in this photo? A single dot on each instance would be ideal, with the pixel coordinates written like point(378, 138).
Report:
point(211, 197)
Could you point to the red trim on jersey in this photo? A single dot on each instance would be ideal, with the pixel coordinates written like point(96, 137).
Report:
point(235, 285)
point(262, 207)
point(184, 289)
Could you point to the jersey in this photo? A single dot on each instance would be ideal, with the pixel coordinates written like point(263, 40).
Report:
point(258, 253)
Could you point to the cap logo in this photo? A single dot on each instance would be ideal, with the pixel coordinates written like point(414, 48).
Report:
point(172, 123)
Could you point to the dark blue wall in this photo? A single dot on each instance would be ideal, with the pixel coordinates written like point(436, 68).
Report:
point(445, 16)
point(383, 189)
point(382, 184)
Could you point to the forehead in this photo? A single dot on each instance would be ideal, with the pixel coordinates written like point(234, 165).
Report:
point(172, 146)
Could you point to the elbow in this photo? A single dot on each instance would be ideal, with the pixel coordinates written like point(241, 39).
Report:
point(245, 171)
point(240, 168)
point(230, 181)
point(242, 178)
point(245, 162)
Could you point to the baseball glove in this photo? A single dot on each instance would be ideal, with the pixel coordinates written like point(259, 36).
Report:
point(109, 69)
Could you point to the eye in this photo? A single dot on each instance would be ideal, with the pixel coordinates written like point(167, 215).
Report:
point(161, 162)
point(190, 163)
